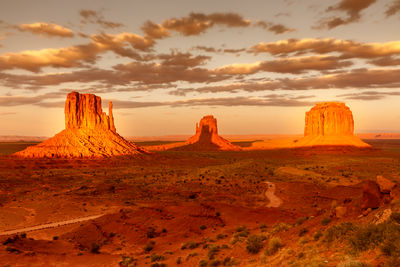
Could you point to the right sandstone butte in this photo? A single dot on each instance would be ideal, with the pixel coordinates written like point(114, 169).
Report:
point(329, 124)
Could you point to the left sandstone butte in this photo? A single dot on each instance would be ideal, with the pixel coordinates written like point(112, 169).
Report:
point(89, 132)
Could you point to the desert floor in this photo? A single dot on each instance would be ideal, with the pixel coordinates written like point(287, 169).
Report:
point(176, 208)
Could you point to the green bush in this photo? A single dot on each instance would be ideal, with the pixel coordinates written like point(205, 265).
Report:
point(254, 243)
point(325, 221)
point(395, 216)
point(149, 246)
point(317, 235)
point(274, 244)
point(303, 231)
point(212, 251)
point(156, 257)
point(190, 245)
point(339, 231)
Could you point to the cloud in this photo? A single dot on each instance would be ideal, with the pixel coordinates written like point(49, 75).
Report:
point(359, 79)
point(96, 17)
point(209, 49)
point(197, 23)
point(269, 100)
point(352, 8)
point(347, 48)
point(275, 28)
point(286, 65)
point(369, 95)
point(75, 56)
point(182, 59)
point(154, 31)
point(46, 29)
point(18, 100)
point(155, 73)
point(386, 61)
point(7, 113)
point(393, 9)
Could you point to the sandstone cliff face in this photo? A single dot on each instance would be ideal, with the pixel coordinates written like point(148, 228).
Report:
point(329, 119)
point(329, 124)
point(84, 111)
point(89, 132)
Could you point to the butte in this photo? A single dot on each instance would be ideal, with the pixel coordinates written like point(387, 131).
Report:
point(89, 132)
point(329, 124)
point(206, 138)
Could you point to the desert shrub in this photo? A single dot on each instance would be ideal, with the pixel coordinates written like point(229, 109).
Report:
point(300, 221)
point(254, 243)
point(179, 260)
point(229, 261)
point(203, 263)
point(317, 235)
point(274, 244)
point(303, 231)
point(151, 232)
point(190, 245)
point(395, 216)
point(338, 231)
point(94, 248)
point(156, 257)
point(353, 263)
point(212, 251)
point(366, 237)
point(127, 262)
point(280, 227)
point(156, 264)
point(385, 235)
point(149, 246)
point(214, 263)
point(221, 236)
point(203, 227)
point(325, 221)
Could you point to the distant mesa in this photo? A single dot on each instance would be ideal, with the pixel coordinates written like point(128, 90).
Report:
point(89, 132)
point(205, 139)
point(329, 124)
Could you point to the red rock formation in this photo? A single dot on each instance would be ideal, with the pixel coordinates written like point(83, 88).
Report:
point(330, 124)
point(89, 132)
point(371, 195)
point(207, 138)
point(84, 111)
point(329, 119)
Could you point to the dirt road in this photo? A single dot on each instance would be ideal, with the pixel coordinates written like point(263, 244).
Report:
point(274, 201)
point(49, 225)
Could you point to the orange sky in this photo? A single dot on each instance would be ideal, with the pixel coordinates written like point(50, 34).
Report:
point(257, 66)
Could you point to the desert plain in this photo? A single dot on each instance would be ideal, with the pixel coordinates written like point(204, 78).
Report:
point(193, 208)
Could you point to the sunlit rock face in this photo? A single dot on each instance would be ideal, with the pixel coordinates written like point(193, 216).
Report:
point(329, 119)
point(89, 132)
point(84, 111)
point(207, 138)
point(329, 124)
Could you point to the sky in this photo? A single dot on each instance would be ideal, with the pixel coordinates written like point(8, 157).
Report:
point(256, 65)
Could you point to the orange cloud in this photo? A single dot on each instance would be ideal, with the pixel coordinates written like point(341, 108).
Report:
point(275, 28)
point(352, 8)
point(74, 56)
point(393, 8)
point(96, 17)
point(46, 29)
point(197, 23)
point(348, 49)
point(286, 65)
point(361, 79)
point(154, 31)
